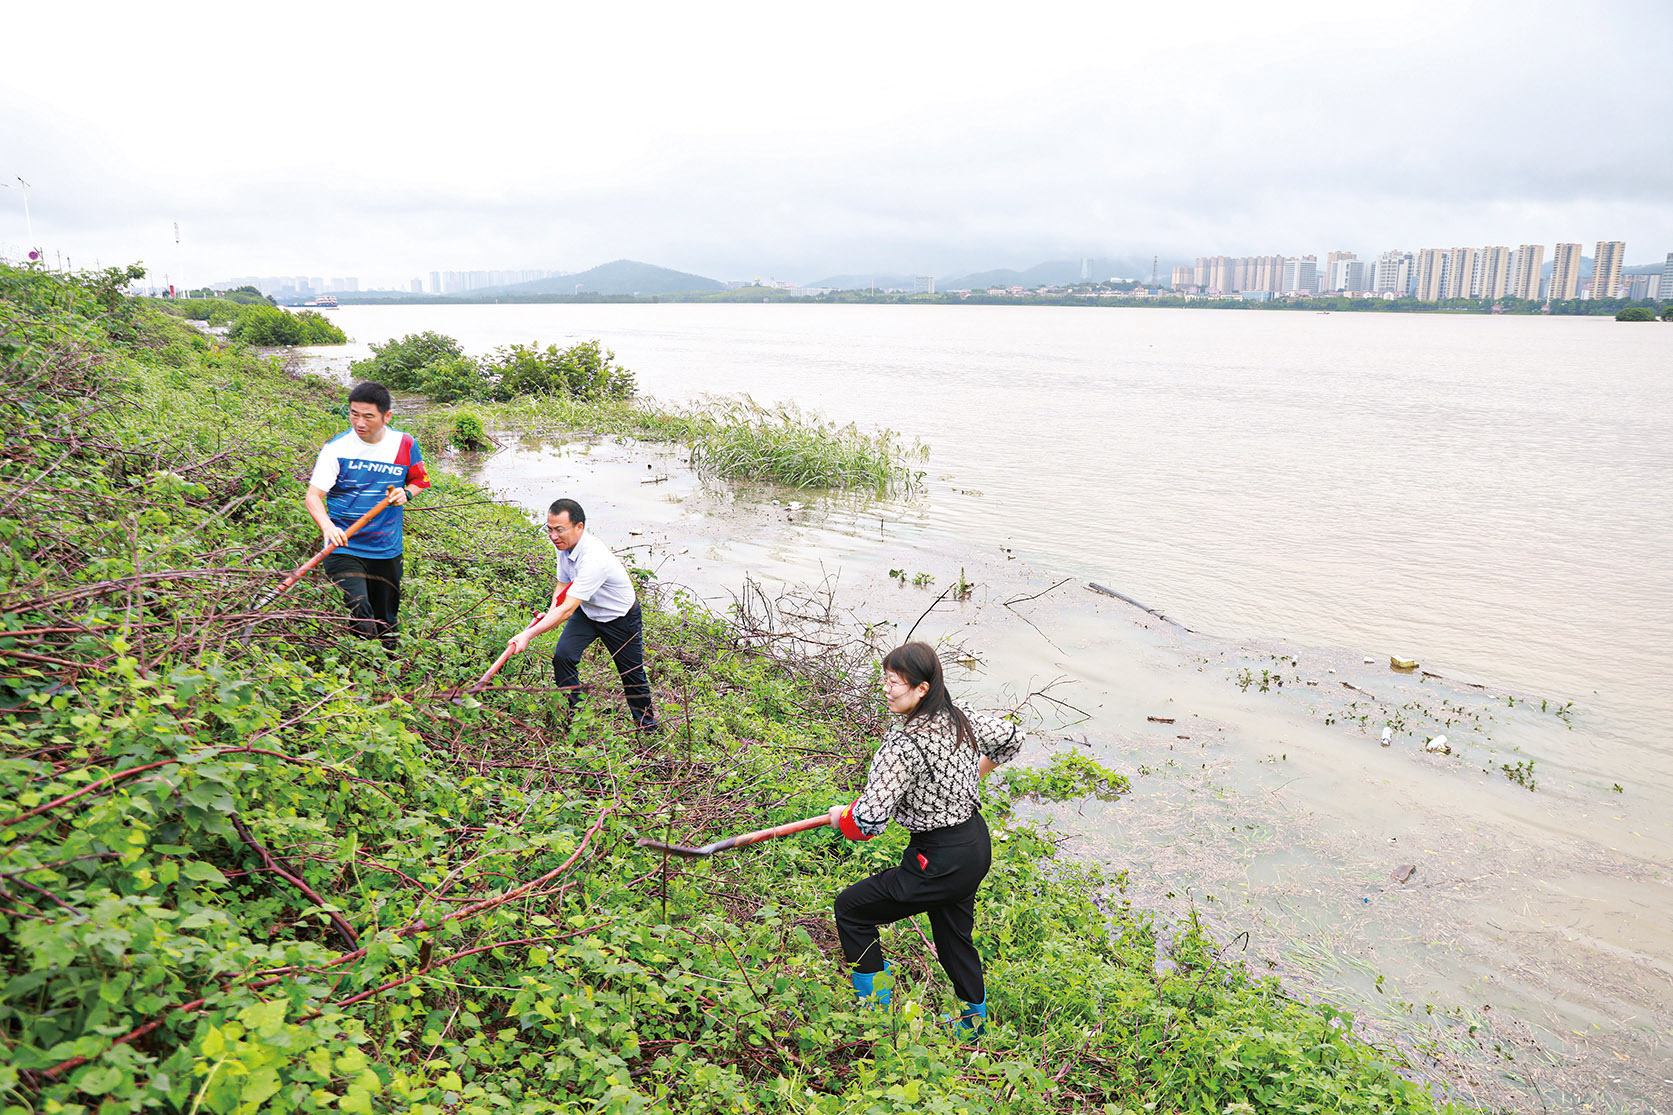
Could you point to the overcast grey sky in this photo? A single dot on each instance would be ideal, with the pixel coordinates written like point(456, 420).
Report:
point(798, 140)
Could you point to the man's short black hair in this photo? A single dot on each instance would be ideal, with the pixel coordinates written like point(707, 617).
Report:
point(567, 507)
point(375, 393)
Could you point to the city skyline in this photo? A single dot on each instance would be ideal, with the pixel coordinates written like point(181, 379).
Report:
point(1427, 274)
point(1436, 274)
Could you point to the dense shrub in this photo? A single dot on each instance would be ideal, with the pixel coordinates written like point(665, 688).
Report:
point(451, 379)
point(468, 432)
point(435, 365)
point(399, 365)
point(1636, 313)
point(269, 325)
point(210, 311)
point(583, 371)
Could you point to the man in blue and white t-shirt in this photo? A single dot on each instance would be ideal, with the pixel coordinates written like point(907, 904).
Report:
point(594, 599)
point(353, 472)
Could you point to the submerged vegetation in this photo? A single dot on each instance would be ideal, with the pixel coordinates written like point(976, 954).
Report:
point(295, 876)
point(738, 439)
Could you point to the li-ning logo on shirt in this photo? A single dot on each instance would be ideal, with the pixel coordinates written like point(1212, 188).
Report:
point(379, 466)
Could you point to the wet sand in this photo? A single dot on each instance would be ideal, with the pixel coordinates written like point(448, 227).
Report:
point(1525, 962)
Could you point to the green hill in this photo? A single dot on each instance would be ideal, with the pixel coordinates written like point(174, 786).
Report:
point(622, 276)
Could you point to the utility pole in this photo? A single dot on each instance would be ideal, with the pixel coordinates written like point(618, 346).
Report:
point(27, 220)
point(178, 257)
point(23, 187)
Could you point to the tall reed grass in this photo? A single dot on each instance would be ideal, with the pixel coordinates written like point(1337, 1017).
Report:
point(736, 438)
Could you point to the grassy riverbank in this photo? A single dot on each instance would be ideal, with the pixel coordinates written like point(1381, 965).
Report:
point(294, 876)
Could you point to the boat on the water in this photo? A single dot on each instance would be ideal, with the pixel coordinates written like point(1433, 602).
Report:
point(323, 302)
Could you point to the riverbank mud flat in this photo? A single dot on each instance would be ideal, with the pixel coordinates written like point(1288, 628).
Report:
point(1504, 920)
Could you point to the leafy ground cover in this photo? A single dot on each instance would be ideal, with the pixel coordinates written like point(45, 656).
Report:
point(295, 875)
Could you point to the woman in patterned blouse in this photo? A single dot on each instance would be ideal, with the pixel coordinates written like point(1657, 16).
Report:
point(925, 776)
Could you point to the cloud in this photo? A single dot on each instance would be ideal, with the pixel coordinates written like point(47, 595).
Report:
point(764, 139)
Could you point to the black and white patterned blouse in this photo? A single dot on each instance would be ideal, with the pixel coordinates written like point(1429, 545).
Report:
point(924, 778)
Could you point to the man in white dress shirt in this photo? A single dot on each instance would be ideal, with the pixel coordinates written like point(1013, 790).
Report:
point(599, 604)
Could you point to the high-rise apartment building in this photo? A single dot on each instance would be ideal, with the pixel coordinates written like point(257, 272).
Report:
point(1348, 274)
point(1257, 273)
point(1665, 291)
point(1607, 260)
point(1301, 276)
point(1565, 273)
point(1185, 276)
point(1491, 276)
point(1393, 273)
point(1526, 265)
point(1460, 269)
point(1431, 275)
point(1220, 275)
point(1328, 274)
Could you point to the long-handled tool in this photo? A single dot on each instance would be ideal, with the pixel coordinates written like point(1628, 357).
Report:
point(302, 570)
point(505, 655)
point(736, 841)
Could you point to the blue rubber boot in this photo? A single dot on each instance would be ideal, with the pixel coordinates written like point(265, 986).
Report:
point(971, 1021)
point(867, 992)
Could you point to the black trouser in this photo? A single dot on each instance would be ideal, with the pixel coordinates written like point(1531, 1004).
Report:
point(373, 589)
point(624, 637)
point(939, 873)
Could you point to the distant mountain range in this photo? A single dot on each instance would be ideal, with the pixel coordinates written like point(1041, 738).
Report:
point(626, 276)
point(622, 276)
